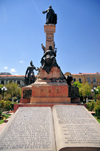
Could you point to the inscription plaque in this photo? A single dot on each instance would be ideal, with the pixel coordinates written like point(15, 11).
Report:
point(27, 94)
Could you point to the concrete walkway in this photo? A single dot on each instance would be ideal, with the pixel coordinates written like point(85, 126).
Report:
point(2, 126)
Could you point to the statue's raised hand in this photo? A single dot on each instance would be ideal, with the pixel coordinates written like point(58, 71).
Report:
point(43, 12)
point(38, 69)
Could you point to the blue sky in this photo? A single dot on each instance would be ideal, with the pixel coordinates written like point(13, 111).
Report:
point(77, 36)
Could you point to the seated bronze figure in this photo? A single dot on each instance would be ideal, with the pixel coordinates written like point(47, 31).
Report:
point(48, 60)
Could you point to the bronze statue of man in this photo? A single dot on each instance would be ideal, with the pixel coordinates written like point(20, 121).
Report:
point(69, 79)
point(29, 75)
point(51, 17)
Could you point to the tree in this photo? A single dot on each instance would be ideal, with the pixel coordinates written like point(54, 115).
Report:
point(98, 90)
point(98, 93)
point(13, 90)
point(7, 105)
point(86, 89)
point(79, 85)
point(1, 106)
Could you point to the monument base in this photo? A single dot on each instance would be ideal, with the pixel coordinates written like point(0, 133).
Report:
point(16, 106)
point(45, 91)
point(49, 92)
point(50, 100)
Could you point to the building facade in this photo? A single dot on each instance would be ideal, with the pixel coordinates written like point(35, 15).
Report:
point(5, 79)
point(92, 78)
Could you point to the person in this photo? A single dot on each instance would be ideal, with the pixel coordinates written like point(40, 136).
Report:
point(51, 17)
point(29, 75)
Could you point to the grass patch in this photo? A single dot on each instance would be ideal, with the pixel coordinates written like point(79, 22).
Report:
point(4, 116)
point(96, 118)
point(1, 121)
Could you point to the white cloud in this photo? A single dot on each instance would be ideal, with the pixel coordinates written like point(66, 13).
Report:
point(5, 67)
point(21, 61)
point(13, 70)
point(16, 74)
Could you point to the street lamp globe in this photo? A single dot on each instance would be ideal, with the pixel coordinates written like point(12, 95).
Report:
point(4, 89)
point(94, 90)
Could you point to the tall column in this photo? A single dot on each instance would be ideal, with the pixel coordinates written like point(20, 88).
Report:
point(49, 30)
point(4, 82)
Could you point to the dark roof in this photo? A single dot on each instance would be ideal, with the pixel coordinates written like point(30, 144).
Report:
point(5, 73)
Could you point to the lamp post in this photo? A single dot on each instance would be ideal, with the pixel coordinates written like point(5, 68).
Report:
point(4, 89)
point(94, 90)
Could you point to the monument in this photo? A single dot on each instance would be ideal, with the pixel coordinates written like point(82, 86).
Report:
point(51, 86)
point(65, 127)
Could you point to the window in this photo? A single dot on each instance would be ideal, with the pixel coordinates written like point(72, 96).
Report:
point(18, 82)
point(2, 82)
point(6, 81)
point(94, 86)
point(88, 79)
point(10, 81)
point(80, 80)
point(94, 79)
point(74, 79)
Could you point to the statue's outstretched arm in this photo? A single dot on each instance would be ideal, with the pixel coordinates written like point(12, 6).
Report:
point(44, 12)
point(37, 69)
point(34, 68)
point(43, 48)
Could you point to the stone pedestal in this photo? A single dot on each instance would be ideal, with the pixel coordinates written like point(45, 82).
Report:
point(54, 73)
point(52, 92)
point(49, 30)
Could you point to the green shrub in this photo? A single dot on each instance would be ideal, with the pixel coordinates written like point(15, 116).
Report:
point(2, 103)
point(1, 110)
point(7, 105)
point(98, 102)
point(0, 97)
point(91, 105)
point(12, 105)
point(98, 97)
point(7, 96)
point(97, 111)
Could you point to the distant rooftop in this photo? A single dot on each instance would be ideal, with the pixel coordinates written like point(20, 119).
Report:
point(12, 75)
point(86, 73)
point(5, 73)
